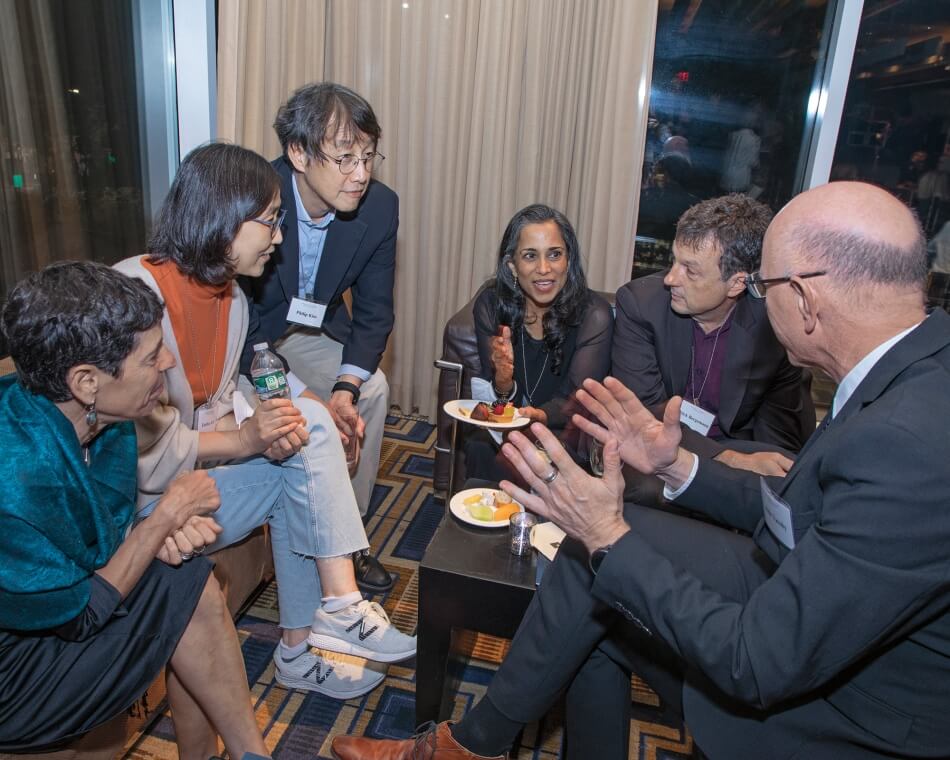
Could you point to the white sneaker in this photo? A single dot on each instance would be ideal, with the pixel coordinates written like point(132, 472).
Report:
point(362, 629)
point(336, 677)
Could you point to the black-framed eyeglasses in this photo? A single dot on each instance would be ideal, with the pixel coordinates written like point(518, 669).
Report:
point(757, 286)
point(347, 164)
point(274, 223)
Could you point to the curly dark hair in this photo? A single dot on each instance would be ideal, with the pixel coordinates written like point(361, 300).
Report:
point(735, 223)
point(74, 312)
point(218, 187)
point(316, 110)
point(569, 305)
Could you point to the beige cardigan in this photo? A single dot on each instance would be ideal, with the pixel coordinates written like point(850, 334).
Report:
point(167, 440)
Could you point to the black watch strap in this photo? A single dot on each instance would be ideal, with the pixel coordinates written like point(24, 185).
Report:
point(597, 558)
point(343, 385)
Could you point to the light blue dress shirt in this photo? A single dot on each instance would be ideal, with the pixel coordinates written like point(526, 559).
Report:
point(312, 236)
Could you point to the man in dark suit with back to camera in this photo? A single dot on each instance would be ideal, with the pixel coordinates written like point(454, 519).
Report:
point(826, 635)
point(339, 234)
point(693, 332)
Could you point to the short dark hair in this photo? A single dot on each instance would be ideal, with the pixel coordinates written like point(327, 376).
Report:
point(852, 259)
point(735, 223)
point(316, 110)
point(218, 187)
point(568, 306)
point(74, 312)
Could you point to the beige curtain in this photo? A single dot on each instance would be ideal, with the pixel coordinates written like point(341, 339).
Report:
point(486, 106)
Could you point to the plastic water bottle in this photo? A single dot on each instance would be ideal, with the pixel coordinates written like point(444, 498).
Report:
point(267, 372)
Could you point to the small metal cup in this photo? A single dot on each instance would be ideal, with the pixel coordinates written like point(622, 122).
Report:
point(519, 526)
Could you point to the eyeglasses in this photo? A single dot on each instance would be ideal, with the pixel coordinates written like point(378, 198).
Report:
point(757, 286)
point(347, 164)
point(274, 223)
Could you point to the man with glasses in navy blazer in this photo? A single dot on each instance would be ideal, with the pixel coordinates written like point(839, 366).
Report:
point(339, 234)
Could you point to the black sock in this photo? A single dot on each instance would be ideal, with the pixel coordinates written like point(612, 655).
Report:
point(485, 730)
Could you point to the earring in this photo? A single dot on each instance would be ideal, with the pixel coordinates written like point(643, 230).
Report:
point(91, 417)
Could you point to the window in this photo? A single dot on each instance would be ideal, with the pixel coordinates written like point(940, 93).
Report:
point(728, 109)
point(80, 170)
point(895, 130)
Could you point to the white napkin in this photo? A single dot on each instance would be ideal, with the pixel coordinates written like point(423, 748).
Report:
point(547, 538)
point(242, 409)
point(482, 391)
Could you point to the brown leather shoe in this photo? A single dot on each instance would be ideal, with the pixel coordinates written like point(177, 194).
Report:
point(432, 742)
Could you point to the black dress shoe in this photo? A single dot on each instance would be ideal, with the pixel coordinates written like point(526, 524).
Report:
point(370, 574)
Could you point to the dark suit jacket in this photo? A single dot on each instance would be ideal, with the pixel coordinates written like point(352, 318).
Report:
point(360, 253)
point(762, 398)
point(847, 644)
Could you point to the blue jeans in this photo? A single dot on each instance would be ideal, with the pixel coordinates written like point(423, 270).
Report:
point(307, 501)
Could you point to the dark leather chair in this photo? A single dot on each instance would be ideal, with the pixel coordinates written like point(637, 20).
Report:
point(457, 366)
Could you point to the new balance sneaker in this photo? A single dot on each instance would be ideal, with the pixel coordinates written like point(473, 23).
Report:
point(362, 629)
point(335, 676)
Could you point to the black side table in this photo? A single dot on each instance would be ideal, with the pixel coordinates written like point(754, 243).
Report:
point(469, 580)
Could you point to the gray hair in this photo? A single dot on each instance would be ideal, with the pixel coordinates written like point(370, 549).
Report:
point(852, 259)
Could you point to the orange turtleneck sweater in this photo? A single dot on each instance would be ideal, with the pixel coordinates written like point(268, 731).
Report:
point(199, 316)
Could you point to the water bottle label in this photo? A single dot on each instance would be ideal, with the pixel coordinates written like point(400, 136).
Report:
point(272, 382)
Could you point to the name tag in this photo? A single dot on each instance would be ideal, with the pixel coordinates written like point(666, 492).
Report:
point(307, 313)
point(696, 418)
point(205, 418)
point(778, 515)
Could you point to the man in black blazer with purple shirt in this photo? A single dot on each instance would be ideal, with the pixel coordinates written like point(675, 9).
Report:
point(693, 331)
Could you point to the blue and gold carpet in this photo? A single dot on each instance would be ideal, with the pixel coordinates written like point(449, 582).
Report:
point(405, 514)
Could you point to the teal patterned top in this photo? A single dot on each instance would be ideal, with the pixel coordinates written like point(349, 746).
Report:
point(60, 520)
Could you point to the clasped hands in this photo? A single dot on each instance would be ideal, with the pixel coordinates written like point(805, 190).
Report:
point(587, 508)
point(188, 503)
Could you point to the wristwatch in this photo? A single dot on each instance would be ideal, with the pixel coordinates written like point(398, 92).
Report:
point(342, 385)
point(597, 557)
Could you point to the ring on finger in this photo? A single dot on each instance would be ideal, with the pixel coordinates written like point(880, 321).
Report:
point(199, 551)
point(185, 556)
point(551, 477)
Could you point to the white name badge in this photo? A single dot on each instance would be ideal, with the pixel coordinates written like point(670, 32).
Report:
point(778, 515)
point(304, 312)
point(696, 418)
point(205, 419)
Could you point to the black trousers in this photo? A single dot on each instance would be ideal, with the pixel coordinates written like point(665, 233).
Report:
point(570, 641)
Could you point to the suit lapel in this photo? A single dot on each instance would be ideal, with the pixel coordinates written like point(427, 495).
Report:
point(679, 337)
point(288, 259)
point(339, 251)
point(735, 379)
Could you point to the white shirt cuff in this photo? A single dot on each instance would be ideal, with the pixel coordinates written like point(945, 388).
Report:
point(297, 386)
point(672, 495)
point(352, 369)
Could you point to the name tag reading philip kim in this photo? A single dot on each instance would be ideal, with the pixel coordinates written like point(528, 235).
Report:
point(696, 418)
point(304, 312)
point(778, 515)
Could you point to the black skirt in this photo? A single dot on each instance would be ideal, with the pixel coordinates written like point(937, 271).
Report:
point(53, 690)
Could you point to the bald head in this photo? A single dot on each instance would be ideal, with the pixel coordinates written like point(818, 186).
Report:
point(858, 233)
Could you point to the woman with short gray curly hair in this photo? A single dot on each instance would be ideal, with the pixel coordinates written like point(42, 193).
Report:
point(90, 612)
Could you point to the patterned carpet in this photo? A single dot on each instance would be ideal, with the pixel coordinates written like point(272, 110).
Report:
point(299, 724)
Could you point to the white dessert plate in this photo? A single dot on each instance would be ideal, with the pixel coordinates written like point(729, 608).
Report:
point(461, 409)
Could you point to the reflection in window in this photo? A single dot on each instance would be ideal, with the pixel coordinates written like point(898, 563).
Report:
point(70, 166)
point(727, 109)
point(895, 130)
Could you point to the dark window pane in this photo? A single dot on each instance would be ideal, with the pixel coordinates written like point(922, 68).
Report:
point(69, 135)
point(728, 108)
point(896, 125)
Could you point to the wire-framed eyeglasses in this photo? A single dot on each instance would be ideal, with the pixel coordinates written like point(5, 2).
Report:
point(347, 164)
point(757, 286)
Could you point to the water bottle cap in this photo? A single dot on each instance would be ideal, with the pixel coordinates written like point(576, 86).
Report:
point(260, 346)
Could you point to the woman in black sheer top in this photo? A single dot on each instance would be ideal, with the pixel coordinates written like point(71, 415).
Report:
point(540, 330)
